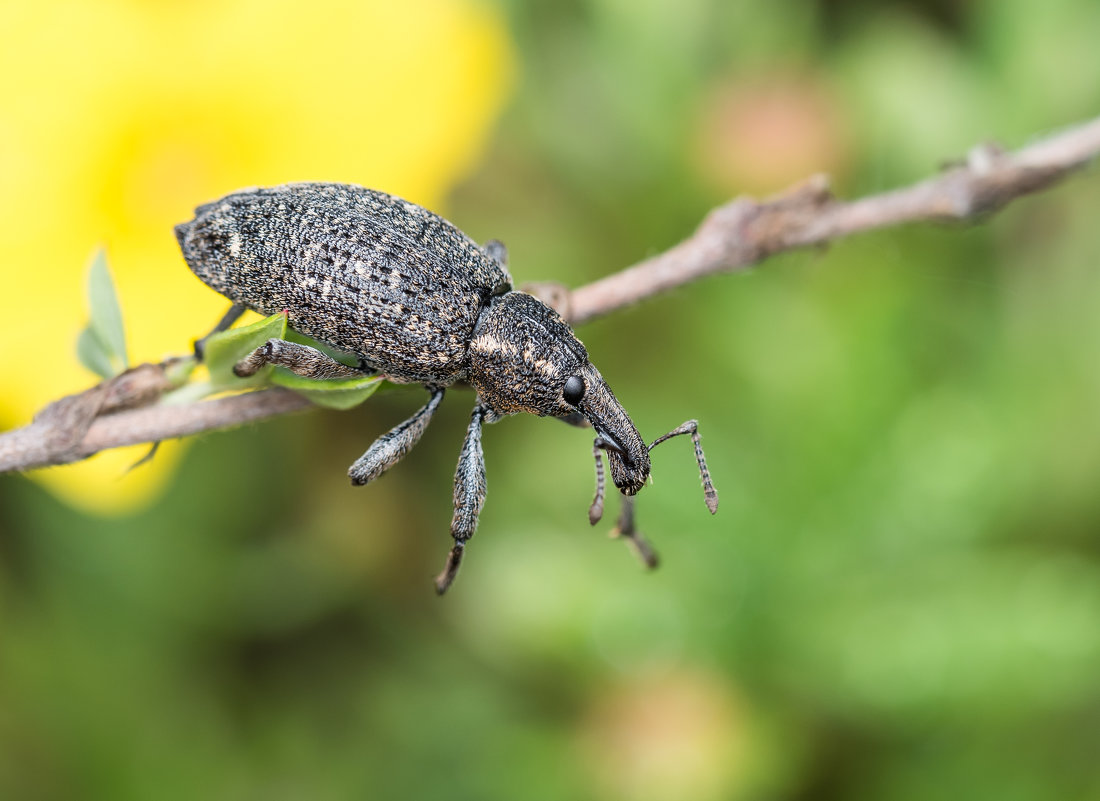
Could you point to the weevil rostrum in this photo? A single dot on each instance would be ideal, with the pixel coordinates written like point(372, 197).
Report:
point(417, 301)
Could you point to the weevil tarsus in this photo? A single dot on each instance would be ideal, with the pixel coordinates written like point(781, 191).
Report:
point(302, 360)
point(450, 569)
point(391, 447)
point(710, 495)
point(469, 495)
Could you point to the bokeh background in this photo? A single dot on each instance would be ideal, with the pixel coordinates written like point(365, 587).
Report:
point(900, 595)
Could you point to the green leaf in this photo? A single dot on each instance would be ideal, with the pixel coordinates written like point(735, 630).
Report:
point(224, 349)
point(178, 372)
point(334, 393)
point(106, 315)
point(92, 354)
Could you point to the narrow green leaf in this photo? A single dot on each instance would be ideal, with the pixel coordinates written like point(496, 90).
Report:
point(226, 348)
point(92, 354)
point(106, 315)
point(334, 393)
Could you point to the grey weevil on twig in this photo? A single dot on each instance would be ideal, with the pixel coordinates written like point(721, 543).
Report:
point(417, 301)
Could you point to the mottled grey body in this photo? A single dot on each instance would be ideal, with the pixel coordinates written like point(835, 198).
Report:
point(416, 300)
point(363, 271)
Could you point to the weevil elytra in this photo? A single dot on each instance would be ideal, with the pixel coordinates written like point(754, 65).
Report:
point(417, 301)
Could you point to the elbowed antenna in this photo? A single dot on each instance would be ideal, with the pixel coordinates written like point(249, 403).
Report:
point(595, 511)
point(710, 494)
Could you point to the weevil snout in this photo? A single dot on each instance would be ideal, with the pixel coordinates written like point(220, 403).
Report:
point(616, 434)
point(627, 477)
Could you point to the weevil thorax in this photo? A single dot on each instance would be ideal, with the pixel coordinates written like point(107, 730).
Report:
point(523, 355)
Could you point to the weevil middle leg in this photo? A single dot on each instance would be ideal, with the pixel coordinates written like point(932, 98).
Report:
point(469, 496)
point(391, 447)
point(625, 529)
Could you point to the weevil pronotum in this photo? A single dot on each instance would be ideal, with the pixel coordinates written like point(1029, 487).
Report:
point(417, 301)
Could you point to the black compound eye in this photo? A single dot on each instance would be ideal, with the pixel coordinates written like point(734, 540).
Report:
point(574, 390)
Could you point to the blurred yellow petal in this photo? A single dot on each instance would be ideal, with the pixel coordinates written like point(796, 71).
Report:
point(119, 117)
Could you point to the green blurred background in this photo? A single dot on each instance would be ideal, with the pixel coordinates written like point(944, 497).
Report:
point(899, 597)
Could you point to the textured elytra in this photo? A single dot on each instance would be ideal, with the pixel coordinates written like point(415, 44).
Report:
point(366, 272)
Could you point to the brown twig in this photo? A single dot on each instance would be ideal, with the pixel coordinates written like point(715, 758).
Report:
point(732, 237)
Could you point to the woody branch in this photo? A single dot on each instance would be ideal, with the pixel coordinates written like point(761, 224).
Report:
point(124, 410)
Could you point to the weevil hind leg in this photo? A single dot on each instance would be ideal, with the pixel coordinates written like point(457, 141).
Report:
point(299, 359)
point(391, 447)
point(469, 496)
point(710, 495)
point(497, 251)
point(230, 317)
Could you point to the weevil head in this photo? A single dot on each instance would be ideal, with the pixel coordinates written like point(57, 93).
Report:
point(525, 358)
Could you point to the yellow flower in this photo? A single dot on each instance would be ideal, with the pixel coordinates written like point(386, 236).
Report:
point(118, 117)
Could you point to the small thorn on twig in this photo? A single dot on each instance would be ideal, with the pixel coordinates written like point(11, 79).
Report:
point(985, 157)
point(148, 457)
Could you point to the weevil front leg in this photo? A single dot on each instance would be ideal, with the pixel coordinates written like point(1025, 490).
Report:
point(625, 529)
point(469, 496)
point(299, 359)
point(391, 447)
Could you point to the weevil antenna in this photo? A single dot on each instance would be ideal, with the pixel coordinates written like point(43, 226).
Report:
point(710, 495)
point(595, 511)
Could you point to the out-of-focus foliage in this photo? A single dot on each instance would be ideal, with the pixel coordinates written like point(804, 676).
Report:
point(899, 596)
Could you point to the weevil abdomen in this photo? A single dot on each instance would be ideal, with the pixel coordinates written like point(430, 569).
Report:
point(363, 271)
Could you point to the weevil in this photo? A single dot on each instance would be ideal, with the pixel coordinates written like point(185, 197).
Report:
point(417, 301)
